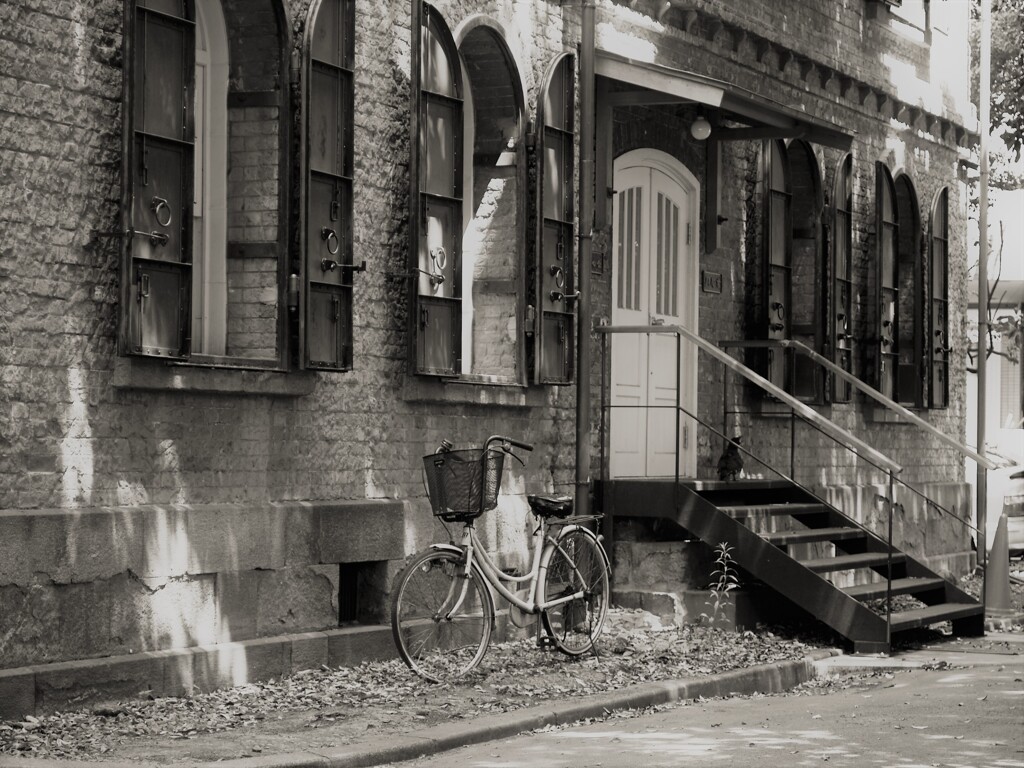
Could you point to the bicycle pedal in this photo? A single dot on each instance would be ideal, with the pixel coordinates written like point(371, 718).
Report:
point(545, 643)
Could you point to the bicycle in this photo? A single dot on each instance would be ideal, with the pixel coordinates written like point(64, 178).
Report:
point(443, 611)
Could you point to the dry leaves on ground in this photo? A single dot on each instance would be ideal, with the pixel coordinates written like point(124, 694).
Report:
point(513, 675)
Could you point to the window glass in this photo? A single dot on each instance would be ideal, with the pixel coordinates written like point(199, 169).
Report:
point(439, 147)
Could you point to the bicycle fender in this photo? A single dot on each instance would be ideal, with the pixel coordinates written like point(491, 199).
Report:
point(447, 548)
point(491, 608)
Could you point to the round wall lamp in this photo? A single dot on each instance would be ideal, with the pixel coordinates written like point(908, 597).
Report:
point(700, 129)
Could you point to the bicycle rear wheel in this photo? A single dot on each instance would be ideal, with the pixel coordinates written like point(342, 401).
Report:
point(441, 620)
point(577, 566)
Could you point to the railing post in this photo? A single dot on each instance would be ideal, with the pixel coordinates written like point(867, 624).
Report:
point(792, 443)
point(888, 565)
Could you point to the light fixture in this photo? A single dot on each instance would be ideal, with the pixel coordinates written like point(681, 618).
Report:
point(700, 129)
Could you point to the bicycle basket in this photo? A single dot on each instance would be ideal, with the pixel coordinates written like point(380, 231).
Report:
point(464, 484)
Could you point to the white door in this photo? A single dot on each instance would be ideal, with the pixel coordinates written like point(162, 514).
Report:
point(654, 282)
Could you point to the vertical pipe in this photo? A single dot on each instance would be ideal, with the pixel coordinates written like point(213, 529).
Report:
point(984, 96)
point(583, 309)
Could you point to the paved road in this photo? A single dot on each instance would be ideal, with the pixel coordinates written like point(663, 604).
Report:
point(960, 718)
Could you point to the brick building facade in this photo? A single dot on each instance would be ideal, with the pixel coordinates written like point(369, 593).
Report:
point(212, 417)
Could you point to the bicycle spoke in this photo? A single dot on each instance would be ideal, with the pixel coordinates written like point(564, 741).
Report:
point(441, 619)
point(575, 592)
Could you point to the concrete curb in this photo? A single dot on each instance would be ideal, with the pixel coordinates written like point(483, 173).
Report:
point(766, 678)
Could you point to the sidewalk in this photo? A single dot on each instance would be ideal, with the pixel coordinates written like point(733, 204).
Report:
point(996, 649)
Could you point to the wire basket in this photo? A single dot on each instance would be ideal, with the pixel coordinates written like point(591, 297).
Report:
point(463, 484)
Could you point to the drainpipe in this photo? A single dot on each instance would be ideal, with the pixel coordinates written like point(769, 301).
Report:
point(583, 310)
point(981, 486)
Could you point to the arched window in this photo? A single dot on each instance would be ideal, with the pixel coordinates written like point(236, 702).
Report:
point(205, 252)
point(554, 278)
point(437, 182)
point(910, 341)
point(842, 277)
point(809, 289)
point(938, 335)
point(467, 170)
point(887, 298)
point(778, 259)
point(329, 266)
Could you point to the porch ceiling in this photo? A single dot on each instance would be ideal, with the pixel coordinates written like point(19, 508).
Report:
point(657, 84)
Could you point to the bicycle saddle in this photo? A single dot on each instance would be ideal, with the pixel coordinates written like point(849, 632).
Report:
point(551, 506)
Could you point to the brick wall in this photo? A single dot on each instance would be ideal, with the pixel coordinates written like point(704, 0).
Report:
point(82, 430)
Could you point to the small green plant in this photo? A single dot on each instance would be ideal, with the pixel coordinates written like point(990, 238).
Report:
point(724, 581)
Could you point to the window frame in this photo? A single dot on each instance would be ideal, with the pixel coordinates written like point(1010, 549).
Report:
point(911, 259)
point(935, 334)
point(776, 323)
point(136, 272)
point(337, 267)
point(428, 20)
point(841, 335)
point(130, 343)
point(800, 364)
point(886, 345)
point(554, 304)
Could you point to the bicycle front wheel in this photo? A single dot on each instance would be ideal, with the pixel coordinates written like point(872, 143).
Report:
point(575, 591)
point(440, 618)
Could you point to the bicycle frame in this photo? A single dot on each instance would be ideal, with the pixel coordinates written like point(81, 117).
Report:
point(543, 547)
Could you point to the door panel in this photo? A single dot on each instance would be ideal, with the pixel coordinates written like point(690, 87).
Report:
point(654, 274)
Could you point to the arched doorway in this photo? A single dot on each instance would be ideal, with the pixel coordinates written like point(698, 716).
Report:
point(654, 282)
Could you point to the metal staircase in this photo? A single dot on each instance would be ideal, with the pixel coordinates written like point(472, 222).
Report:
point(807, 551)
point(784, 535)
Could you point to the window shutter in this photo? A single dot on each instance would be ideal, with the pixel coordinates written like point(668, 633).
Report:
point(887, 300)
point(157, 271)
point(329, 266)
point(938, 332)
point(554, 279)
point(778, 258)
point(435, 221)
point(842, 278)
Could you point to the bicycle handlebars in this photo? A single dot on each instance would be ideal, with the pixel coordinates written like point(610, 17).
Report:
point(509, 441)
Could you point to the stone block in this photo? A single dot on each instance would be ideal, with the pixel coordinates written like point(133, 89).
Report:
point(302, 533)
point(92, 681)
point(237, 605)
point(29, 632)
point(17, 693)
point(164, 613)
point(164, 542)
point(350, 646)
point(85, 611)
point(65, 545)
point(233, 537)
point(309, 651)
point(661, 604)
point(179, 672)
point(230, 664)
point(356, 532)
point(297, 599)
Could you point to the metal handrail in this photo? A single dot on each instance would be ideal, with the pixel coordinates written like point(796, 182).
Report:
point(837, 433)
point(868, 390)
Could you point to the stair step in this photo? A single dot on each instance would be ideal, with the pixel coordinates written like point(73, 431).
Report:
point(808, 535)
point(908, 586)
point(933, 614)
point(850, 562)
point(746, 510)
